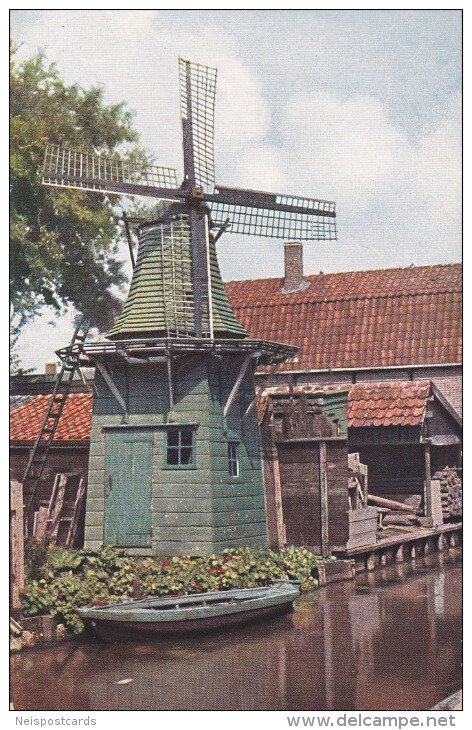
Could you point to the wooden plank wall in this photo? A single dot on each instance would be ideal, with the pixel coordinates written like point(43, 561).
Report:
point(17, 570)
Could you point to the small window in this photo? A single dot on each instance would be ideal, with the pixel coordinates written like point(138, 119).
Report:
point(233, 463)
point(180, 447)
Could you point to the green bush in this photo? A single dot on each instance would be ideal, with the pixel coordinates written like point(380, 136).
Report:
point(68, 579)
point(36, 553)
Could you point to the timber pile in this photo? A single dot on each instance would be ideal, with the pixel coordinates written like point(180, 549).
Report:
point(58, 523)
point(451, 491)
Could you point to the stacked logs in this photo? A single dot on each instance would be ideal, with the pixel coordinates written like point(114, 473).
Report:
point(451, 492)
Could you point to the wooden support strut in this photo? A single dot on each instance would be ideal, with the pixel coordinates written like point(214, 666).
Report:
point(325, 547)
point(236, 386)
point(250, 407)
point(114, 390)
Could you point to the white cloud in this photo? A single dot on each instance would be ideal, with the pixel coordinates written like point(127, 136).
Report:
point(351, 151)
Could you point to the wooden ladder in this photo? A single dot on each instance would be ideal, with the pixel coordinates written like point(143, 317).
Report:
point(39, 452)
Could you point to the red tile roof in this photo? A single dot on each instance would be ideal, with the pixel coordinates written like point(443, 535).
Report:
point(388, 404)
point(393, 403)
point(396, 403)
point(74, 425)
point(359, 319)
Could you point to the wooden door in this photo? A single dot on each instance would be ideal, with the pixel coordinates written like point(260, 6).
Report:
point(128, 489)
point(300, 487)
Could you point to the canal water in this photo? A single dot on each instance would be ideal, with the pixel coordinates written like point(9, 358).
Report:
point(390, 640)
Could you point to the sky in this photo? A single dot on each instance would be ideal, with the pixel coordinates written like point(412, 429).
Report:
point(356, 106)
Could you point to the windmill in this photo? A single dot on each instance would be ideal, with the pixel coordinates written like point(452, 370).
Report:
point(207, 205)
point(175, 462)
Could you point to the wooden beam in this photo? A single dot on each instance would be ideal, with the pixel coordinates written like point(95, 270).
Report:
point(428, 501)
point(325, 548)
point(130, 240)
point(114, 390)
point(250, 407)
point(169, 381)
point(236, 386)
point(17, 570)
point(209, 289)
point(280, 525)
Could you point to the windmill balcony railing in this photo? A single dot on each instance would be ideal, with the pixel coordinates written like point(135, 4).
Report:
point(263, 350)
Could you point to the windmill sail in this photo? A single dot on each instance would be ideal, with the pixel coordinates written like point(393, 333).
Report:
point(69, 168)
point(197, 109)
point(270, 215)
point(177, 288)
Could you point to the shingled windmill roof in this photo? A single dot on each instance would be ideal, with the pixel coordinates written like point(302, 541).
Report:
point(359, 319)
point(160, 299)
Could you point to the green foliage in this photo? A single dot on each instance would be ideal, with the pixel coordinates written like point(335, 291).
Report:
point(69, 579)
point(36, 553)
point(63, 243)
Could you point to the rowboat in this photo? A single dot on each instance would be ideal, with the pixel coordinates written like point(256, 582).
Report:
point(186, 614)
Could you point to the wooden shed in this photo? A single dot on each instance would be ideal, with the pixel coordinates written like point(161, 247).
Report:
point(68, 456)
point(304, 440)
point(406, 432)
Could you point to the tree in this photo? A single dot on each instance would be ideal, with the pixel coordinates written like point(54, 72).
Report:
point(64, 244)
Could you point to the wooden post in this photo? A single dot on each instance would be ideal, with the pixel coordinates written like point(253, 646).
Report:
point(17, 565)
point(281, 532)
point(325, 548)
point(428, 500)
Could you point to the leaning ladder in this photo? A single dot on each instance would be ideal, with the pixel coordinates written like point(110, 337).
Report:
point(39, 452)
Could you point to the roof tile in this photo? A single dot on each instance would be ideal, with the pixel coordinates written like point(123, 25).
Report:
point(74, 425)
point(359, 319)
point(403, 402)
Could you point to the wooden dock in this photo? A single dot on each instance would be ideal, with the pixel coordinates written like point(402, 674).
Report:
point(403, 546)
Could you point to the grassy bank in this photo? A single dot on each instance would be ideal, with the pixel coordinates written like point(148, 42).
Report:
point(59, 581)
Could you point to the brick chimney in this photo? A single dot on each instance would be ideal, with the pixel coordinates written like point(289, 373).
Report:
point(50, 368)
point(293, 258)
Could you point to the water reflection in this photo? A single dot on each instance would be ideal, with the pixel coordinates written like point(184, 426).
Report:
point(389, 641)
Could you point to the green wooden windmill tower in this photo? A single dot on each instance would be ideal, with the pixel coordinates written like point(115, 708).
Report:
point(175, 462)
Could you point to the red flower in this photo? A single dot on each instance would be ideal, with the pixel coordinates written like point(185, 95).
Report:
point(226, 558)
point(198, 585)
point(222, 570)
point(212, 570)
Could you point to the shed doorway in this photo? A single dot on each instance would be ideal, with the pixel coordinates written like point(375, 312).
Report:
point(128, 481)
point(299, 476)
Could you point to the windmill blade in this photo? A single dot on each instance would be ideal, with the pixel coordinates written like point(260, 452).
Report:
point(273, 216)
point(197, 109)
point(68, 168)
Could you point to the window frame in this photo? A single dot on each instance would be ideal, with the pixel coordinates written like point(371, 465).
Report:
point(179, 447)
point(233, 459)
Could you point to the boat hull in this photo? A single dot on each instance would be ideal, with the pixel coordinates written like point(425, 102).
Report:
point(115, 631)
